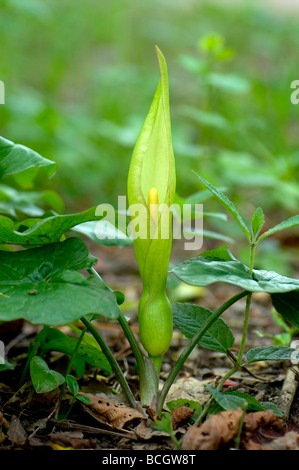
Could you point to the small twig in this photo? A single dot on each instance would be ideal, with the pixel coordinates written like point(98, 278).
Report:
point(92, 430)
point(288, 392)
point(233, 358)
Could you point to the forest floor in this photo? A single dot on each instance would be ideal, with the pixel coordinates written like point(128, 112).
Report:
point(27, 419)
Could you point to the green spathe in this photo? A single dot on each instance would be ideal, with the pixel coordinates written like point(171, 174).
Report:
point(153, 166)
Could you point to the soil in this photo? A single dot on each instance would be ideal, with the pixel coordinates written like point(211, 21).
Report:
point(28, 420)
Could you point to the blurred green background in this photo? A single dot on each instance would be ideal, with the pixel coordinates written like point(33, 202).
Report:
point(80, 77)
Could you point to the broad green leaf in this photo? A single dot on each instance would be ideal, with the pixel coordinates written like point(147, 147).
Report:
point(44, 231)
point(272, 282)
point(43, 378)
point(72, 384)
point(267, 405)
point(109, 235)
point(219, 266)
point(189, 318)
point(26, 202)
point(257, 222)
point(225, 400)
point(229, 206)
point(287, 305)
point(272, 353)
point(253, 404)
point(41, 286)
point(287, 224)
point(15, 158)
point(58, 341)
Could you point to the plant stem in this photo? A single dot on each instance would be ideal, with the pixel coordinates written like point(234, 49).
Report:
point(132, 340)
point(68, 370)
point(189, 348)
point(245, 328)
point(38, 340)
point(114, 364)
point(242, 344)
point(148, 378)
point(247, 310)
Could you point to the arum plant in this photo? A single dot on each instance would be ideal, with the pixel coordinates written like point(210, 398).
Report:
point(42, 284)
point(151, 191)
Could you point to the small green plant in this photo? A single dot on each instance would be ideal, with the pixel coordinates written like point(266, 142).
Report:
point(44, 282)
point(283, 339)
point(74, 389)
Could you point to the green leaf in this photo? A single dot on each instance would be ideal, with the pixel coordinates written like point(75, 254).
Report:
point(41, 286)
point(25, 202)
point(43, 378)
point(288, 306)
point(272, 406)
point(72, 384)
point(221, 253)
point(15, 158)
point(287, 224)
point(84, 399)
point(109, 236)
point(225, 400)
point(272, 282)
point(220, 266)
point(229, 83)
point(253, 404)
point(6, 366)
point(189, 318)
point(194, 405)
point(44, 231)
point(271, 353)
point(58, 341)
point(257, 221)
point(229, 206)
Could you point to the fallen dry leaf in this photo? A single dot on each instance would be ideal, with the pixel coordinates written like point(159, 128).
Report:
point(216, 431)
point(180, 416)
point(222, 428)
point(260, 419)
point(145, 432)
point(16, 433)
point(113, 414)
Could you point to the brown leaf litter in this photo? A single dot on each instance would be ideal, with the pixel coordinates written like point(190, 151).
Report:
point(110, 413)
point(220, 430)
